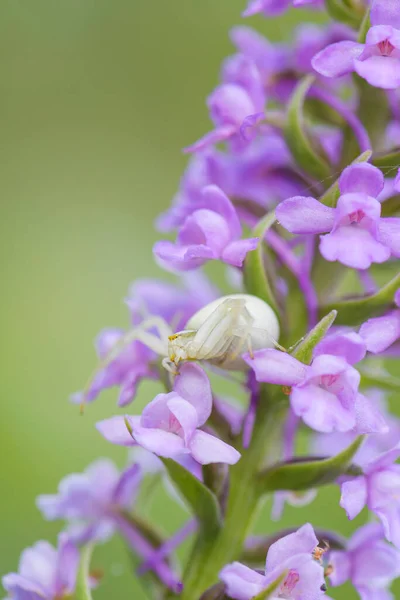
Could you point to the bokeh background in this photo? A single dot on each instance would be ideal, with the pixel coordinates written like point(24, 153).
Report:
point(97, 99)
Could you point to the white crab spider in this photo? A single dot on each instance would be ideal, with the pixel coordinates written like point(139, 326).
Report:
point(218, 333)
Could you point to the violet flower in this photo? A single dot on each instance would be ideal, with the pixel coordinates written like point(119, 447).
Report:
point(234, 106)
point(170, 425)
point(378, 60)
point(277, 7)
point(262, 174)
point(368, 562)
point(380, 333)
point(325, 394)
point(379, 489)
point(135, 362)
point(45, 572)
point(292, 553)
point(126, 371)
point(95, 504)
point(88, 501)
point(210, 233)
point(357, 235)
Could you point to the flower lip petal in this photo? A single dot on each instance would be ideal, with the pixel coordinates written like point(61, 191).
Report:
point(380, 71)
point(206, 448)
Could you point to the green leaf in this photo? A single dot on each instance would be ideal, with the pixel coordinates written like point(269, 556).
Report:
point(299, 143)
point(308, 473)
point(255, 272)
point(200, 499)
point(332, 194)
point(390, 160)
point(356, 310)
point(266, 593)
point(82, 590)
point(339, 11)
point(364, 27)
point(303, 352)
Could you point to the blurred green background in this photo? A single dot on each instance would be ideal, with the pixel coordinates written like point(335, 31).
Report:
point(97, 99)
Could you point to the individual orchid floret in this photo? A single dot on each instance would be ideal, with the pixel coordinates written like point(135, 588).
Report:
point(95, 504)
point(45, 572)
point(380, 333)
point(262, 173)
point(368, 561)
point(325, 394)
point(378, 488)
point(170, 425)
point(88, 501)
point(235, 106)
point(276, 7)
point(357, 236)
point(212, 232)
point(131, 365)
point(291, 557)
point(329, 444)
point(378, 60)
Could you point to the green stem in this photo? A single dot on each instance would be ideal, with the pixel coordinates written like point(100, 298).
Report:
point(207, 561)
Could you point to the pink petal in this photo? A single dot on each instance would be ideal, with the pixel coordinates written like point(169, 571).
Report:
point(389, 233)
point(380, 71)
point(215, 199)
point(206, 449)
point(385, 12)
point(353, 247)
point(235, 252)
point(321, 410)
point(163, 443)
point(185, 414)
point(381, 332)
point(354, 496)
point(273, 366)
point(302, 541)
point(114, 430)
point(368, 418)
point(305, 215)
point(363, 178)
point(193, 385)
point(241, 582)
point(337, 59)
point(182, 258)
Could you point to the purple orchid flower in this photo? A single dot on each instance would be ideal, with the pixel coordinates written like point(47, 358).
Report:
point(368, 562)
point(378, 60)
point(379, 489)
point(235, 106)
point(132, 365)
point(329, 444)
point(210, 233)
point(90, 500)
point(135, 362)
point(170, 425)
point(292, 553)
point(381, 332)
point(45, 572)
point(325, 394)
point(94, 504)
point(277, 7)
point(357, 235)
point(260, 174)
